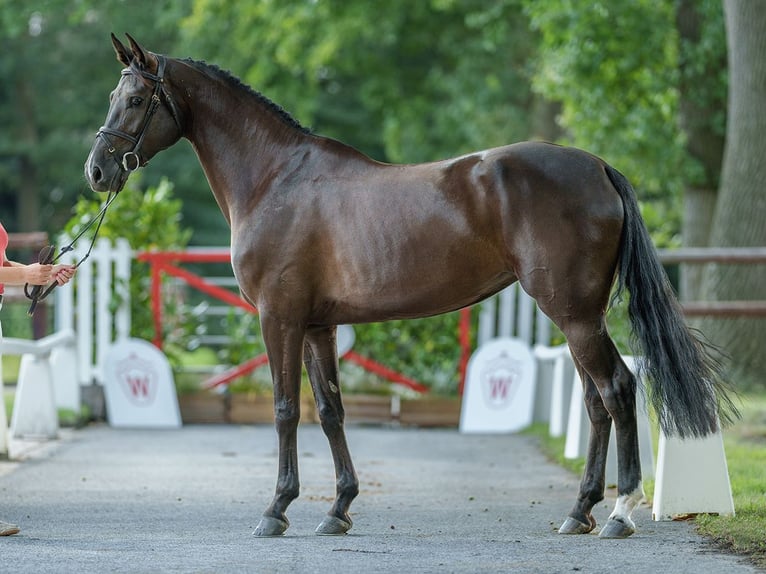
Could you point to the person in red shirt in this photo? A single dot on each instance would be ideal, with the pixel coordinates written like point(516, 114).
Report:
point(13, 273)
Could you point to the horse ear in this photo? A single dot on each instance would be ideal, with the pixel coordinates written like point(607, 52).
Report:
point(140, 55)
point(123, 55)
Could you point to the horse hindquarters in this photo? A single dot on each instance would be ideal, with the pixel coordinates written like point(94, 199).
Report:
point(567, 263)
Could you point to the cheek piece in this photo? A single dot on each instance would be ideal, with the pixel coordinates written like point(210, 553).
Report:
point(131, 160)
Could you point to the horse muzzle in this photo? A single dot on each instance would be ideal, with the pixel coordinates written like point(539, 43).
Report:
point(105, 176)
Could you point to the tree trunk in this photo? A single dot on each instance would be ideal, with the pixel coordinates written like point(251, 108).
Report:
point(698, 106)
point(740, 218)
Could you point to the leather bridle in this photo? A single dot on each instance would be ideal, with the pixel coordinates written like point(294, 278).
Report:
point(131, 160)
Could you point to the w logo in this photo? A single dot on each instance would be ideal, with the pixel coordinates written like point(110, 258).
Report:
point(138, 380)
point(138, 385)
point(498, 387)
point(499, 381)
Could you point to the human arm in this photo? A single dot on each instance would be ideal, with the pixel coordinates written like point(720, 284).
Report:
point(14, 273)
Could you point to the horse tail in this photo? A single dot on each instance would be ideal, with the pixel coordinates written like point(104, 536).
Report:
point(685, 377)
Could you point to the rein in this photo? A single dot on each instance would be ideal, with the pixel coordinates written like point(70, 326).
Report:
point(38, 293)
point(131, 160)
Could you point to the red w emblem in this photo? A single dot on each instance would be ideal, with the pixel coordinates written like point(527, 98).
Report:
point(138, 385)
point(138, 380)
point(499, 381)
point(498, 387)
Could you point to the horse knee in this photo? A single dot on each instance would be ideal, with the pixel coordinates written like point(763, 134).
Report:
point(331, 417)
point(287, 415)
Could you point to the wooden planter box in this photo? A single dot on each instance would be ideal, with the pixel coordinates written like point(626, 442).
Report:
point(250, 409)
point(202, 407)
point(367, 409)
point(430, 412)
point(210, 407)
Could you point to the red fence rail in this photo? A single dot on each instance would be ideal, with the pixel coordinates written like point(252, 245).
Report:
point(167, 262)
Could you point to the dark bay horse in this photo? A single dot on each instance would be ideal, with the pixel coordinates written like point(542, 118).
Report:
point(322, 235)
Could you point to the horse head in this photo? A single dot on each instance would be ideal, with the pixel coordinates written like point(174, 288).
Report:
point(143, 119)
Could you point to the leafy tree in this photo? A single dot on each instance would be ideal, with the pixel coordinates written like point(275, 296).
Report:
point(403, 81)
point(702, 118)
point(54, 85)
point(629, 75)
point(613, 67)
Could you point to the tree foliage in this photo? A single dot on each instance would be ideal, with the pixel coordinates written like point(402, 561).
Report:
point(741, 207)
point(613, 66)
point(638, 83)
point(403, 81)
point(54, 87)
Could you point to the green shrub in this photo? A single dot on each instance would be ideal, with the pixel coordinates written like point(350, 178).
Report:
point(148, 220)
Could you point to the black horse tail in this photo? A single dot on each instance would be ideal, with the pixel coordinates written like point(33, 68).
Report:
point(687, 388)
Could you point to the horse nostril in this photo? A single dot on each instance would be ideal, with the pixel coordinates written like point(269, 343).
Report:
point(96, 174)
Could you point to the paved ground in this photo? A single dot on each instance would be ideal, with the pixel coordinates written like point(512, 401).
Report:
point(134, 501)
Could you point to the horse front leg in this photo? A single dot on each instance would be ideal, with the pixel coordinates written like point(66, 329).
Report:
point(283, 345)
point(321, 360)
point(580, 519)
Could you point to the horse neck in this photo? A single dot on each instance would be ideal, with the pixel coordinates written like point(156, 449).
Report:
point(238, 139)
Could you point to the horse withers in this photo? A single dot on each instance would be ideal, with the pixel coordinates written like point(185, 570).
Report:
point(322, 235)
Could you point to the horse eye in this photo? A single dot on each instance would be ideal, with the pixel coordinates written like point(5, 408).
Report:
point(136, 101)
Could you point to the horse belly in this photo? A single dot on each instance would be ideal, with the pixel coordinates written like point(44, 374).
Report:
point(417, 283)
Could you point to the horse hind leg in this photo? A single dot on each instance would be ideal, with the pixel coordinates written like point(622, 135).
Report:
point(615, 399)
point(580, 519)
point(320, 358)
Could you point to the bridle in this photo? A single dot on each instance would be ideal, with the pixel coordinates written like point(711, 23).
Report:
point(131, 160)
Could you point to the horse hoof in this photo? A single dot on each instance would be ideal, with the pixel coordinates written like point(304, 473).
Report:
point(332, 525)
point(572, 526)
point(615, 528)
point(270, 526)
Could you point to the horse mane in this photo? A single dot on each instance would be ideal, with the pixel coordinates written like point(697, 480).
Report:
point(234, 82)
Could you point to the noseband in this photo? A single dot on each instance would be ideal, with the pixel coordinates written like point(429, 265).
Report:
point(131, 160)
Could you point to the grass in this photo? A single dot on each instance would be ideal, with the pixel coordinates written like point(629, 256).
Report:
point(745, 444)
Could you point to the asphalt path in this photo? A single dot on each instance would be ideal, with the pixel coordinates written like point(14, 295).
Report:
point(138, 501)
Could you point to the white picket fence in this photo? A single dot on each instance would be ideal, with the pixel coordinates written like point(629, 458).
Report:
point(513, 313)
point(86, 307)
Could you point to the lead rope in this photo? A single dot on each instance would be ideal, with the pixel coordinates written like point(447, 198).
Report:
point(38, 293)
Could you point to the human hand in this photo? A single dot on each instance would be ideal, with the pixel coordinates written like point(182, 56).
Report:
point(63, 273)
point(36, 274)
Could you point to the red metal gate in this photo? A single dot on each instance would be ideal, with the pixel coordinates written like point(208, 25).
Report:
point(167, 262)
